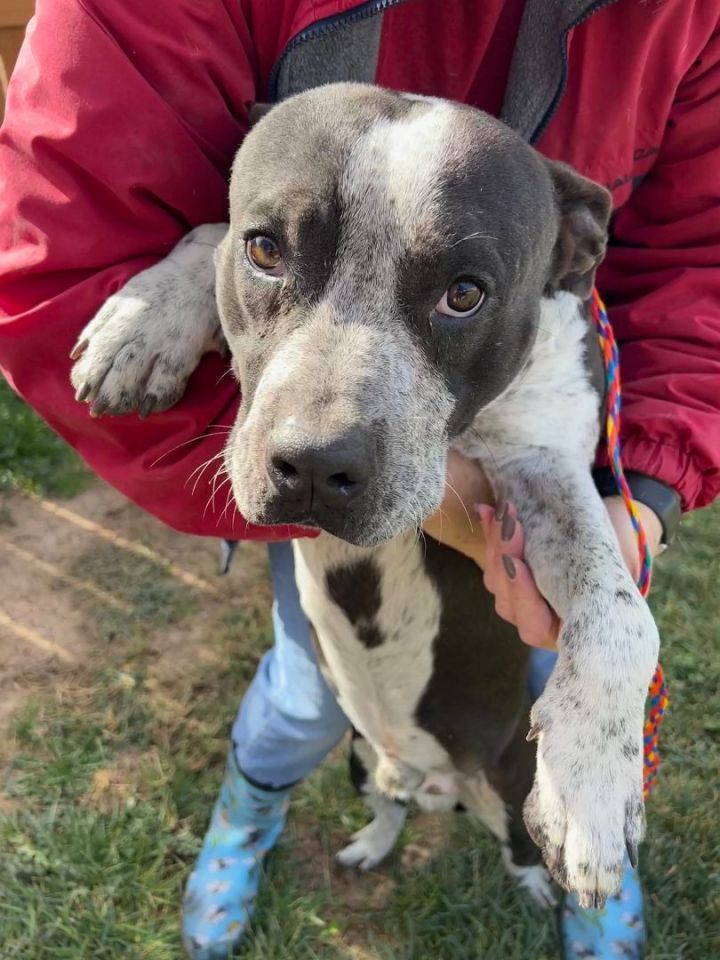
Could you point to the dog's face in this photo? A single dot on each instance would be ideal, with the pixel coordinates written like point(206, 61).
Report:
point(381, 283)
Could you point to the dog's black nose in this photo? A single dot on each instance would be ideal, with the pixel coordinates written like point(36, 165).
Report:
point(329, 474)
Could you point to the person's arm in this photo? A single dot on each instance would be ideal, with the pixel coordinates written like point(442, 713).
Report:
point(492, 536)
point(122, 121)
point(661, 281)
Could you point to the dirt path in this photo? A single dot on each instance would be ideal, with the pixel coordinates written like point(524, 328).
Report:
point(48, 578)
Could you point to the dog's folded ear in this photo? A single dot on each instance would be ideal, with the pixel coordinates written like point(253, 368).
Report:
point(584, 209)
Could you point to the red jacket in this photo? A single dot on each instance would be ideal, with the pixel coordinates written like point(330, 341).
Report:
point(123, 117)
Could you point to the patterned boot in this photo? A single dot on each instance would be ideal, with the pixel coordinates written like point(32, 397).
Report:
point(618, 930)
point(221, 890)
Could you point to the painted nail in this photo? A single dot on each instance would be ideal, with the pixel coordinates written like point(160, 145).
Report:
point(509, 566)
point(508, 527)
point(500, 510)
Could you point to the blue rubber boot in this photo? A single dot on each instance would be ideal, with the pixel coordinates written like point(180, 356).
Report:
point(221, 891)
point(618, 930)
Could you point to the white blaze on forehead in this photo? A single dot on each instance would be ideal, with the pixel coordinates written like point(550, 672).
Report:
point(400, 162)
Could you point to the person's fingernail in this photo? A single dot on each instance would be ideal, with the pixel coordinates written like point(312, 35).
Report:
point(500, 510)
point(508, 527)
point(509, 566)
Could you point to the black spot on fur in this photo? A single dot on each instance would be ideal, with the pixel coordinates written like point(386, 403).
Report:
point(358, 771)
point(355, 588)
point(629, 749)
point(624, 596)
point(370, 635)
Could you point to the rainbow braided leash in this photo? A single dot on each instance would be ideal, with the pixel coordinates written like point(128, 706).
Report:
point(657, 691)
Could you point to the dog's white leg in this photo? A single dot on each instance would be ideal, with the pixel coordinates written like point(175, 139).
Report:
point(482, 801)
point(535, 879)
point(586, 804)
point(139, 350)
point(375, 841)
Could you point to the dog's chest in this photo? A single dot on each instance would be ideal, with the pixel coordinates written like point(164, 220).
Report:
point(376, 614)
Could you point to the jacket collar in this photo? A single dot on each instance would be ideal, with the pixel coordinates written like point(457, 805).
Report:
point(539, 66)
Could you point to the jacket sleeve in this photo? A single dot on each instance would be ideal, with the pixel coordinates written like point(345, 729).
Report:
point(661, 281)
point(121, 123)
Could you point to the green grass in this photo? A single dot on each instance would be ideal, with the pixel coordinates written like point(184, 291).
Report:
point(109, 782)
point(31, 456)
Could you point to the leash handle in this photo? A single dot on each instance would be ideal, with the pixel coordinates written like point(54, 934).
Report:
point(657, 691)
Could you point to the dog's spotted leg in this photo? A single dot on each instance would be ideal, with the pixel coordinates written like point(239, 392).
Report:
point(139, 350)
point(537, 443)
point(586, 804)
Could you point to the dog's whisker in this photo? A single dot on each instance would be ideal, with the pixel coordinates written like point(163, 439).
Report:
point(462, 504)
point(473, 236)
point(224, 374)
point(216, 430)
point(228, 500)
point(215, 488)
point(201, 469)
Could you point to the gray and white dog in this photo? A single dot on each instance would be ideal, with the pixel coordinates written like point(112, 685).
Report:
point(401, 275)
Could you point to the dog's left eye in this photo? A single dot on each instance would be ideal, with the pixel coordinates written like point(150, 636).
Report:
point(463, 298)
point(264, 254)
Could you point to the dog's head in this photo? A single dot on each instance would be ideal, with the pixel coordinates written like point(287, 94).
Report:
point(381, 283)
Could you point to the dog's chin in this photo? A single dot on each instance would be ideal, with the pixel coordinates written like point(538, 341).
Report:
point(359, 527)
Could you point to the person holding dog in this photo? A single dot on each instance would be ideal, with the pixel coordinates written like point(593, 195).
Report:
point(122, 121)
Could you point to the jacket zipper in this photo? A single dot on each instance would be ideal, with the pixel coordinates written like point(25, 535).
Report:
point(559, 93)
point(362, 12)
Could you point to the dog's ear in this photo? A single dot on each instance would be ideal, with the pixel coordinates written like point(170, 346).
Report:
point(258, 111)
point(584, 209)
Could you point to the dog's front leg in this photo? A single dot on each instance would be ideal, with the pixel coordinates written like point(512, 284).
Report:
point(586, 804)
point(139, 350)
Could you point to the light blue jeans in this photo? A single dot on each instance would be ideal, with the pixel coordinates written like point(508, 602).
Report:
point(289, 720)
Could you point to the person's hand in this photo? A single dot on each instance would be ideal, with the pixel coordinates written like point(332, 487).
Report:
point(494, 540)
point(456, 523)
point(508, 578)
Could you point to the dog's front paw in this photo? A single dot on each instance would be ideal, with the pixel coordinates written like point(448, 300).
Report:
point(368, 848)
point(585, 809)
point(139, 350)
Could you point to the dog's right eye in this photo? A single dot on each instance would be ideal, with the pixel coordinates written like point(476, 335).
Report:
point(461, 299)
point(264, 254)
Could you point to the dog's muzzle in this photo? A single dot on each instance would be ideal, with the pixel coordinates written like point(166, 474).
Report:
point(319, 477)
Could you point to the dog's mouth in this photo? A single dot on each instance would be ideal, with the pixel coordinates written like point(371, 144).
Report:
point(372, 518)
point(355, 524)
